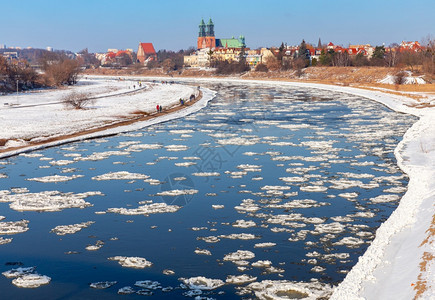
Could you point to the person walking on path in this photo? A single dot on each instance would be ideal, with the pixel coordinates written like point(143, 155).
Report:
point(161, 108)
point(158, 108)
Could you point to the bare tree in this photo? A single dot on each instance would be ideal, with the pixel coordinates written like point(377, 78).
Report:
point(76, 100)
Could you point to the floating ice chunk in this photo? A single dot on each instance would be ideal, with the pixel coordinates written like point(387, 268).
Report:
point(202, 251)
point(218, 206)
point(55, 178)
point(102, 284)
point(140, 147)
point(48, 201)
point(14, 227)
point(185, 164)
point(348, 195)
point(244, 224)
point(283, 289)
point(61, 162)
point(98, 245)
point(127, 290)
point(356, 175)
point(202, 283)
point(275, 188)
point(247, 205)
point(168, 272)
point(385, 198)
point(264, 245)
point(313, 188)
point(334, 227)
point(342, 184)
point(249, 168)
point(206, 174)
point(176, 148)
point(239, 141)
point(191, 158)
point(154, 208)
point(181, 178)
point(396, 189)
point(14, 273)
point(153, 181)
point(262, 264)
point(175, 193)
point(4, 241)
point(181, 131)
point(209, 239)
point(71, 229)
point(148, 284)
point(122, 175)
point(318, 269)
point(239, 255)
point(350, 242)
point(240, 279)
point(239, 236)
point(31, 280)
point(3, 175)
point(293, 179)
point(31, 154)
point(293, 127)
point(102, 155)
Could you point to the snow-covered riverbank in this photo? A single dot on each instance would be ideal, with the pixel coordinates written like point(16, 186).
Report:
point(41, 116)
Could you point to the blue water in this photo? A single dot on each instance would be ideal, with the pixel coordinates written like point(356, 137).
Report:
point(356, 131)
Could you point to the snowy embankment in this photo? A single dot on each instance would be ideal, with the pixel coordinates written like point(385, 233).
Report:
point(40, 116)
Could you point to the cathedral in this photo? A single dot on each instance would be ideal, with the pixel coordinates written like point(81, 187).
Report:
point(207, 39)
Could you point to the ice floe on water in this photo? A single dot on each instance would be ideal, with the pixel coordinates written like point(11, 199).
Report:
point(244, 224)
point(102, 284)
point(175, 193)
point(48, 200)
point(14, 227)
point(71, 229)
point(202, 283)
point(284, 289)
point(98, 245)
point(132, 262)
point(239, 255)
point(240, 279)
point(121, 175)
point(384, 198)
point(31, 281)
point(25, 277)
point(14, 273)
point(202, 251)
point(55, 178)
point(147, 209)
point(265, 245)
point(206, 174)
point(176, 148)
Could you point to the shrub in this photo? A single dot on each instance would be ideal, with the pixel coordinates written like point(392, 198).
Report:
point(261, 68)
point(77, 100)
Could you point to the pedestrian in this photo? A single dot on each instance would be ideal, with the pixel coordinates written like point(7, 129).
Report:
point(161, 107)
point(158, 108)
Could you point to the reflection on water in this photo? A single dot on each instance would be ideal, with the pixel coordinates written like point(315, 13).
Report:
point(267, 189)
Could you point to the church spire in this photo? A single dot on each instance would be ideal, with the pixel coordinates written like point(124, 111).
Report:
point(210, 28)
point(202, 29)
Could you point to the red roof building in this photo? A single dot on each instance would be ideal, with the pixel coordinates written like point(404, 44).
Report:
point(146, 52)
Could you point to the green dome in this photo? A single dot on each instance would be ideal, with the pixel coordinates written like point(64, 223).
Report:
point(202, 23)
point(210, 22)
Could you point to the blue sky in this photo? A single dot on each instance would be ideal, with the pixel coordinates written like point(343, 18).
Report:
point(173, 24)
